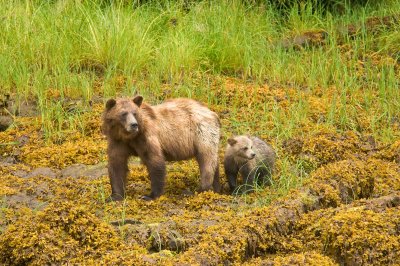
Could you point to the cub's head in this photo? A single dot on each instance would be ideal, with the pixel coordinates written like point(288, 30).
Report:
point(122, 115)
point(241, 147)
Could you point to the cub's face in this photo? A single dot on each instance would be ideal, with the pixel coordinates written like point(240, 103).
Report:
point(242, 147)
point(123, 113)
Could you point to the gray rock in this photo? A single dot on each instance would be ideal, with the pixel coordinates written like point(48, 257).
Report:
point(96, 171)
point(43, 171)
point(20, 173)
point(7, 161)
point(23, 200)
point(81, 170)
point(74, 170)
point(5, 122)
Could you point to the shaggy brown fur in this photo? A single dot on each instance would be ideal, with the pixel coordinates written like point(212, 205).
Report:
point(175, 130)
point(252, 158)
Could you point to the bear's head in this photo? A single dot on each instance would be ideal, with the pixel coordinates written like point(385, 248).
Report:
point(241, 147)
point(122, 114)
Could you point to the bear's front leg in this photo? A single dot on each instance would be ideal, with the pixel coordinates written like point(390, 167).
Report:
point(249, 175)
point(118, 155)
point(231, 172)
point(232, 180)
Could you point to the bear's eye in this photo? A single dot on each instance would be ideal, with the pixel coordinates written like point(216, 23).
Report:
point(124, 114)
point(245, 148)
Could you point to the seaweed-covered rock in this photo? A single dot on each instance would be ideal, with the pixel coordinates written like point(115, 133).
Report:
point(345, 181)
point(342, 182)
point(363, 233)
point(323, 148)
point(357, 237)
point(62, 232)
point(300, 259)
point(386, 176)
point(390, 153)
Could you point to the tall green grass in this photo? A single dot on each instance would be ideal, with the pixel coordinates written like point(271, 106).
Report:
point(80, 48)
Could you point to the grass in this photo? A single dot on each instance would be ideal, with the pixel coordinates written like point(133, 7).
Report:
point(290, 175)
point(55, 52)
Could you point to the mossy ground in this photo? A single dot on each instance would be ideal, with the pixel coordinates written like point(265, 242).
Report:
point(327, 219)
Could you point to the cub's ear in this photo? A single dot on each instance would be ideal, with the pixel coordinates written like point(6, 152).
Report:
point(138, 100)
point(110, 104)
point(232, 141)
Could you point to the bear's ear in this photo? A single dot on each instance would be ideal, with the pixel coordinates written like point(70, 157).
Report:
point(138, 100)
point(232, 141)
point(110, 104)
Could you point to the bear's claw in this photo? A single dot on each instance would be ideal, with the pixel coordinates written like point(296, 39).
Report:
point(147, 197)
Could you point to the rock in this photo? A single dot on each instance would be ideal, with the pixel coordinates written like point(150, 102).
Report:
point(22, 199)
point(5, 122)
point(24, 109)
point(24, 139)
point(96, 171)
point(136, 234)
point(42, 171)
point(74, 170)
point(7, 161)
point(20, 173)
point(80, 170)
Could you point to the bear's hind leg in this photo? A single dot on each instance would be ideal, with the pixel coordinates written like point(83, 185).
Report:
point(208, 171)
point(216, 182)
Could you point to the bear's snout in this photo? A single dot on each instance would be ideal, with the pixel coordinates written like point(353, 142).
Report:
point(133, 127)
point(131, 124)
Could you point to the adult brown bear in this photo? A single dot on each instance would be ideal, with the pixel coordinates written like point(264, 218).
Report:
point(178, 129)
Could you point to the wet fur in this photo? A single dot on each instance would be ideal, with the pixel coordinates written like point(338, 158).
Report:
point(178, 129)
point(261, 166)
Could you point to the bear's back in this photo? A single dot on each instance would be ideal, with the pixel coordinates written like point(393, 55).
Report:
point(184, 127)
point(264, 151)
point(183, 107)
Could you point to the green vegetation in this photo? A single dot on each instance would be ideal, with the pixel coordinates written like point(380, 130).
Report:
point(57, 50)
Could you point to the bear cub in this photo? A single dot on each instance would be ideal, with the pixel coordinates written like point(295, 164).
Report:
point(178, 129)
point(252, 158)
